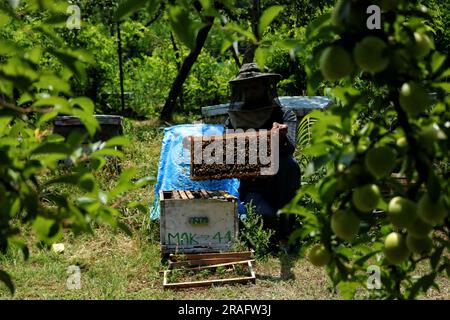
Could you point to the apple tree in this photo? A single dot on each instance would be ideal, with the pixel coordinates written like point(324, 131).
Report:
point(378, 182)
point(35, 86)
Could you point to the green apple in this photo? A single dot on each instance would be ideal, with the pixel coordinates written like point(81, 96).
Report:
point(340, 12)
point(319, 255)
point(350, 14)
point(370, 54)
point(431, 134)
point(401, 212)
point(419, 245)
point(361, 148)
point(421, 46)
point(413, 98)
point(366, 198)
point(380, 161)
point(431, 212)
point(335, 63)
point(395, 248)
point(419, 229)
point(402, 142)
point(345, 224)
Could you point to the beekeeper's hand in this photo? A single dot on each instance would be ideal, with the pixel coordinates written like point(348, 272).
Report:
point(187, 143)
point(278, 126)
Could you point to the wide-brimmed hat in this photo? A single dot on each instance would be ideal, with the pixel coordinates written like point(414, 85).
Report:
point(251, 71)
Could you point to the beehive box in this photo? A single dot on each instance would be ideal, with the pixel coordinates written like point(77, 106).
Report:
point(197, 221)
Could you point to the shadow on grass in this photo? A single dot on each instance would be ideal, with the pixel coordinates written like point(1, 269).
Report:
point(287, 263)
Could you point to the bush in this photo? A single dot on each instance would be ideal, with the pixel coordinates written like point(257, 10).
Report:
point(253, 234)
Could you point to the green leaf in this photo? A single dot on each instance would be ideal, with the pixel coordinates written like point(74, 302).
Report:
point(4, 19)
point(107, 152)
point(227, 42)
point(444, 75)
point(128, 7)
point(45, 117)
point(327, 190)
point(42, 226)
point(184, 27)
point(317, 149)
point(366, 257)
point(246, 33)
point(317, 164)
point(260, 57)
point(139, 206)
point(90, 122)
point(289, 44)
point(85, 103)
point(6, 279)
point(4, 122)
point(124, 183)
point(59, 104)
point(87, 182)
point(443, 85)
point(71, 179)
point(117, 141)
point(267, 17)
point(433, 186)
point(423, 284)
point(316, 26)
point(52, 148)
point(8, 47)
point(435, 258)
point(437, 61)
point(74, 60)
point(348, 289)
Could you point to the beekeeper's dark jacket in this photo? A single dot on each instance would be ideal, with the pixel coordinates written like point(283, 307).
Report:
point(271, 193)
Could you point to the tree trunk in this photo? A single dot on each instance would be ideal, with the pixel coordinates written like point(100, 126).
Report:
point(249, 54)
point(166, 113)
point(119, 52)
point(177, 57)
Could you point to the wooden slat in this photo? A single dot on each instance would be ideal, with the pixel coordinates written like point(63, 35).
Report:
point(179, 285)
point(189, 194)
point(183, 194)
point(215, 194)
point(176, 195)
point(201, 262)
point(223, 264)
point(204, 193)
point(208, 283)
point(199, 256)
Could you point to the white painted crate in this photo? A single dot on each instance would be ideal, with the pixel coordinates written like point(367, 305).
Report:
point(197, 221)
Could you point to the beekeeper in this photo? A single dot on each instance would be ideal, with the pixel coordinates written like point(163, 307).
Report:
point(255, 105)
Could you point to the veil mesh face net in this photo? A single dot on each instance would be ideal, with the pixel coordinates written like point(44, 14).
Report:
point(254, 94)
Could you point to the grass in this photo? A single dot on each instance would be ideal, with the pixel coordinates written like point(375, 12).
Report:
point(115, 266)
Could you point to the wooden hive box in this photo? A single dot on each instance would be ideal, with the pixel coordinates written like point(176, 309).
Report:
point(197, 221)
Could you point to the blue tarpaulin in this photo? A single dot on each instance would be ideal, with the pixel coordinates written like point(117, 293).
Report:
point(175, 159)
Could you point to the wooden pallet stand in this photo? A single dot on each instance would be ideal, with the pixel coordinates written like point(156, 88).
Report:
point(198, 262)
point(251, 278)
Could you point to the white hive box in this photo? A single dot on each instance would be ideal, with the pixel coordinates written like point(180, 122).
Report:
point(197, 221)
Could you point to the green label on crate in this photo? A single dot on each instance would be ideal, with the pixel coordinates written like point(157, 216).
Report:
point(199, 221)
